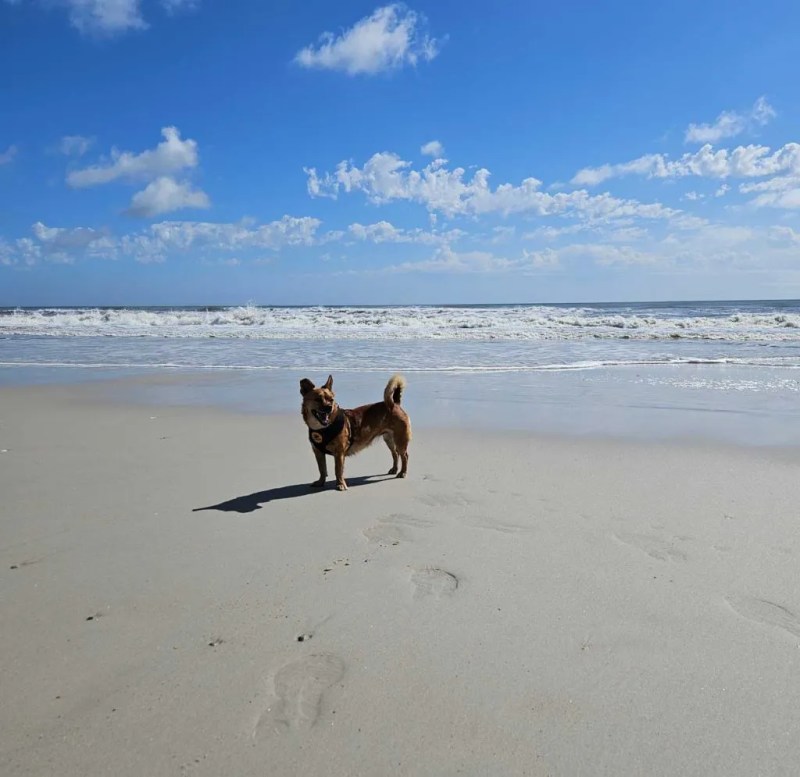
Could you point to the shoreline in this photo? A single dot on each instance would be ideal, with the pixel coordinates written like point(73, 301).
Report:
point(637, 404)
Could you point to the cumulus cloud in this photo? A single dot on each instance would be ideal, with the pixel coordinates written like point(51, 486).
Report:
point(171, 237)
point(390, 38)
point(730, 123)
point(433, 148)
point(385, 178)
point(8, 155)
point(64, 245)
point(169, 156)
point(206, 240)
point(741, 162)
point(384, 232)
point(164, 195)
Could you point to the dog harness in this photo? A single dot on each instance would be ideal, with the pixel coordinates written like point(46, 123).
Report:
point(320, 438)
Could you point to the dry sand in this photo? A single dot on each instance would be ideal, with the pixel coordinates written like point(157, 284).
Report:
point(519, 606)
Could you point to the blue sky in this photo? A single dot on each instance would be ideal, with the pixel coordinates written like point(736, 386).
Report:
point(178, 152)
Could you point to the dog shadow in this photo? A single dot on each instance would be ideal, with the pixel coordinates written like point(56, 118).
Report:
point(253, 502)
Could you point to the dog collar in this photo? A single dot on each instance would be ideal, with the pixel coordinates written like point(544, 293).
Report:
point(320, 438)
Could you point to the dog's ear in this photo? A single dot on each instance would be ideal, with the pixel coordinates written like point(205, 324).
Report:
point(305, 386)
point(329, 383)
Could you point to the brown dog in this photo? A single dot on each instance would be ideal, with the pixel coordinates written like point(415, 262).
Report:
point(340, 433)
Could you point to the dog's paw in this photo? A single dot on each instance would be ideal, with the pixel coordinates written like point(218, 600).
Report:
point(392, 471)
point(318, 484)
point(401, 474)
point(341, 486)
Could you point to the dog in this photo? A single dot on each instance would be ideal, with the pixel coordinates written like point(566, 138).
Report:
point(334, 431)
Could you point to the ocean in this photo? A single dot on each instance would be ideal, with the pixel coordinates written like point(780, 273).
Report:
point(589, 368)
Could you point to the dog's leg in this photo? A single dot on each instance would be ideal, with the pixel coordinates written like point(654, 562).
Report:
point(389, 440)
point(404, 468)
point(339, 466)
point(401, 442)
point(323, 469)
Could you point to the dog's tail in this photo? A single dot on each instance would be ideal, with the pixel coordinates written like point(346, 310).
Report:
point(393, 392)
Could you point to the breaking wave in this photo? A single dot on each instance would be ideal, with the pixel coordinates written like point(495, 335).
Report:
point(506, 323)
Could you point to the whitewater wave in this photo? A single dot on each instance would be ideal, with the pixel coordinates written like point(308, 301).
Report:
point(402, 323)
point(778, 362)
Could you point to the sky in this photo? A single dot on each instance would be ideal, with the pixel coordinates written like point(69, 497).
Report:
point(174, 152)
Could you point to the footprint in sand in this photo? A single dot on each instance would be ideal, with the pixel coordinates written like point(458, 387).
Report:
point(391, 531)
point(384, 534)
point(655, 547)
point(299, 687)
point(432, 581)
point(764, 611)
point(403, 519)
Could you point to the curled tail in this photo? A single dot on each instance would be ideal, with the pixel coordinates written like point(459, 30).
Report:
point(393, 392)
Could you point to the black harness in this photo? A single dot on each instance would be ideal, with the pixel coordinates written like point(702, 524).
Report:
point(320, 438)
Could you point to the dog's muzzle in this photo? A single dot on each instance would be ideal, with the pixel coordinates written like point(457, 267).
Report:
point(323, 415)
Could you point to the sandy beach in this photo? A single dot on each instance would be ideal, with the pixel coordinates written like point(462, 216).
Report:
point(175, 600)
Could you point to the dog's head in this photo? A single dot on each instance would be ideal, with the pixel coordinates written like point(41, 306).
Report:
point(319, 404)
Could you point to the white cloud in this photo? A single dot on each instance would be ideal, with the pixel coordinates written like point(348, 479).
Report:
point(8, 155)
point(385, 178)
point(777, 184)
point(169, 237)
point(169, 156)
point(730, 123)
point(787, 235)
point(741, 162)
point(384, 232)
point(104, 17)
point(65, 245)
point(110, 17)
point(381, 232)
point(8, 256)
point(75, 145)
point(782, 191)
point(433, 148)
point(591, 176)
point(546, 259)
point(159, 241)
point(787, 200)
point(164, 195)
point(388, 39)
